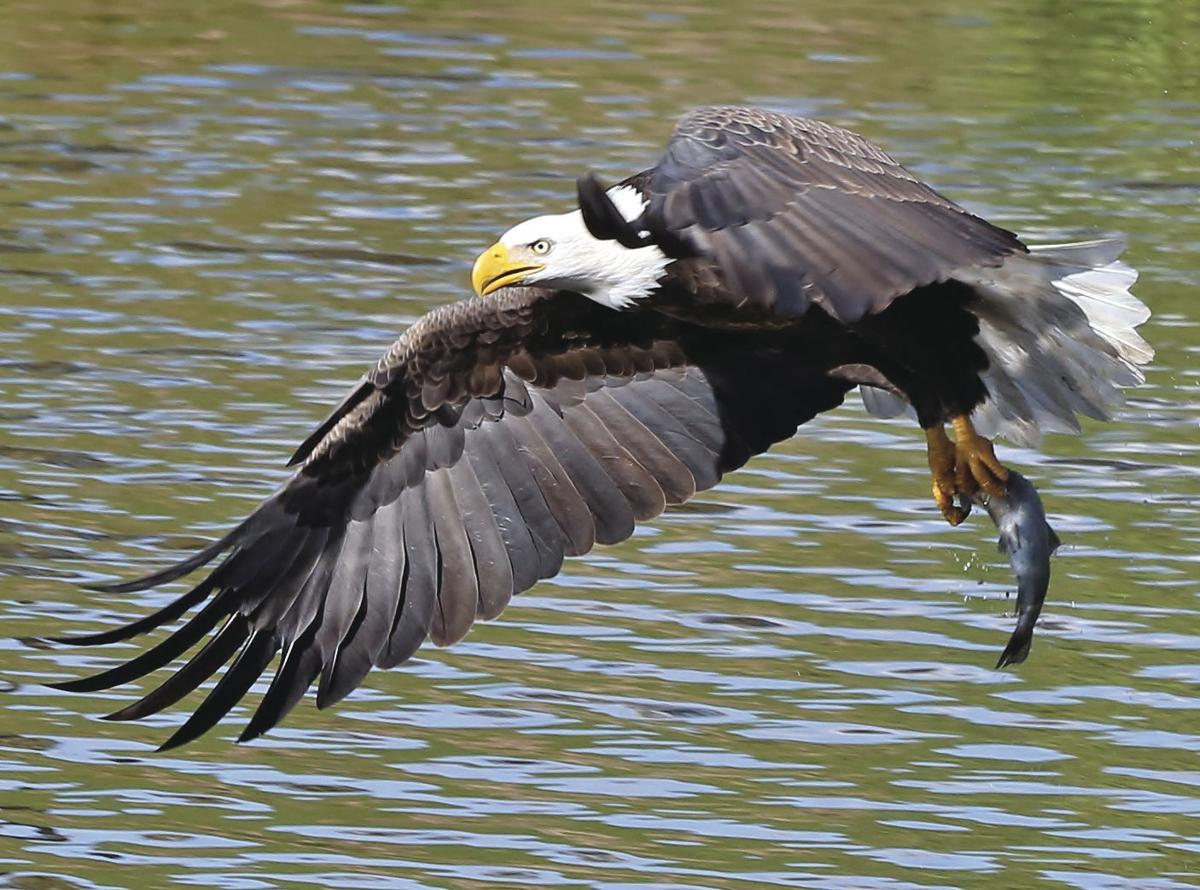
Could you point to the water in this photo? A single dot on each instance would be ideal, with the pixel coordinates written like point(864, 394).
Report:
point(215, 216)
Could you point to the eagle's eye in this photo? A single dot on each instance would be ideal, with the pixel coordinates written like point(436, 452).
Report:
point(541, 247)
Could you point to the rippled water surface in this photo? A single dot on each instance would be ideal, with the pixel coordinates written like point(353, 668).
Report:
point(215, 214)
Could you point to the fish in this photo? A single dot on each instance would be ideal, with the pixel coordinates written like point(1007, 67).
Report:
point(1029, 542)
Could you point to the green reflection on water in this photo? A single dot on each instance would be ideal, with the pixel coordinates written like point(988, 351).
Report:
point(214, 216)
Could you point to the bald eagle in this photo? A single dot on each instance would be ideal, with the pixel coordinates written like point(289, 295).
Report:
point(621, 357)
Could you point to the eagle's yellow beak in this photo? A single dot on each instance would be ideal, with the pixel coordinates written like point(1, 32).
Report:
point(497, 268)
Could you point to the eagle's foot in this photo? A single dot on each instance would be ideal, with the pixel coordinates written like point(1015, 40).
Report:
point(975, 464)
point(943, 458)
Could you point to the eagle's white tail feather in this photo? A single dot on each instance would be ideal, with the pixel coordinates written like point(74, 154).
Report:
point(1058, 326)
point(1098, 282)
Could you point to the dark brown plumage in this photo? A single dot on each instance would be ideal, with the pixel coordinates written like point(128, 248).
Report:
point(500, 435)
point(796, 212)
point(496, 437)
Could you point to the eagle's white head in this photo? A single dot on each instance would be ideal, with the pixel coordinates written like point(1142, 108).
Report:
point(558, 251)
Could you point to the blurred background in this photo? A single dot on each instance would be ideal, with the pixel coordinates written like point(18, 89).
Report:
point(215, 215)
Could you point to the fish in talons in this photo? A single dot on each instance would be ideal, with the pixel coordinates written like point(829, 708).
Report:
point(1028, 541)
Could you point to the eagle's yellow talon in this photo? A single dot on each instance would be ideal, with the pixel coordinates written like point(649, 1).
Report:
point(942, 458)
point(975, 464)
point(945, 500)
point(962, 467)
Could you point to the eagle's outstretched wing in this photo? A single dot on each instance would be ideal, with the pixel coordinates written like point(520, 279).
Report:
point(494, 438)
point(796, 212)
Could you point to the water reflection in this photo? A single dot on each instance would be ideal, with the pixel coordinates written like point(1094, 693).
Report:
point(215, 219)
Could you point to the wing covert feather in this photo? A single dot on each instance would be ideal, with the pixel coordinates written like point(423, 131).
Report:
point(796, 212)
point(410, 518)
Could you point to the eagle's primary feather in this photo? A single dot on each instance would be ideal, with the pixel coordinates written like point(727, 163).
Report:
point(669, 329)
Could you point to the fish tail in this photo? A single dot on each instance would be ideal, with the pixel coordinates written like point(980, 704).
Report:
point(1019, 643)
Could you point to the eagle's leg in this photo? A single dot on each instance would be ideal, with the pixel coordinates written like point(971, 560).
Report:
point(975, 463)
point(963, 466)
point(943, 459)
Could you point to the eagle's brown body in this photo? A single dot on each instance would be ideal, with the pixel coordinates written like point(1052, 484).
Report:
point(499, 435)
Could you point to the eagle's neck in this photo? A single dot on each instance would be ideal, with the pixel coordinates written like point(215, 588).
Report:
point(621, 277)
